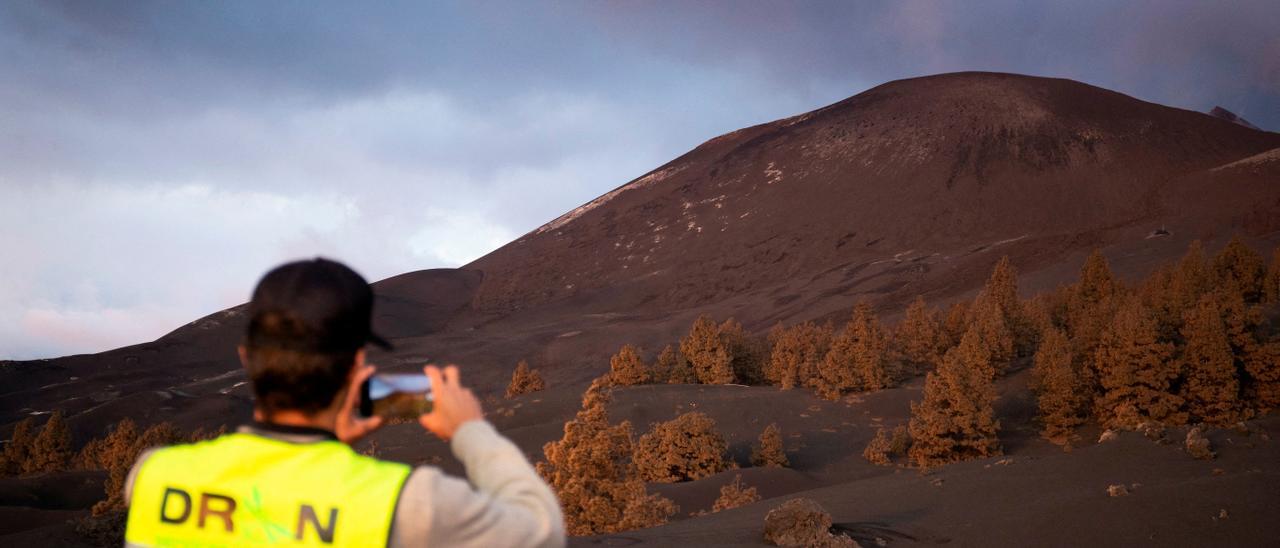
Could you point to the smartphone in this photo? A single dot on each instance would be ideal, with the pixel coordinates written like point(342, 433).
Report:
point(396, 396)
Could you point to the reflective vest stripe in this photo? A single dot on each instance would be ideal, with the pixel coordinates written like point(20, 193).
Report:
point(243, 489)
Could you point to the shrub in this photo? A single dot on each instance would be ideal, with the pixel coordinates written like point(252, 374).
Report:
point(734, 495)
point(802, 522)
point(877, 452)
point(1198, 445)
point(626, 368)
point(683, 449)
point(769, 452)
point(524, 380)
point(593, 474)
point(885, 446)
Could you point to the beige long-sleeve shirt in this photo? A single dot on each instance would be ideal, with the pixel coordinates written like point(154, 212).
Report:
point(505, 502)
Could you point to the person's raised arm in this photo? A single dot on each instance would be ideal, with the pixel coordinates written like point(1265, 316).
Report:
point(510, 505)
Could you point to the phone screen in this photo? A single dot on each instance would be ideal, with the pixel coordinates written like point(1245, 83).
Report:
point(396, 395)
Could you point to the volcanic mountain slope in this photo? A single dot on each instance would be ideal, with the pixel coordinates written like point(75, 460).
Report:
point(915, 187)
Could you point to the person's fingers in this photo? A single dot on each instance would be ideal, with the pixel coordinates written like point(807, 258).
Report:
point(353, 391)
point(451, 375)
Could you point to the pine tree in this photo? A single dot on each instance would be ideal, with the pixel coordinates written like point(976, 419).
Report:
point(1212, 387)
point(954, 324)
point(997, 338)
point(1002, 290)
point(1062, 398)
point(707, 353)
point(524, 380)
point(857, 358)
point(1252, 357)
point(1240, 264)
point(797, 353)
point(1091, 303)
point(626, 368)
point(747, 353)
point(51, 449)
point(18, 451)
point(956, 421)
point(686, 448)
point(769, 452)
point(672, 367)
point(593, 474)
point(1136, 371)
point(1271, 284)
point(916, 342)
point(1263, 369)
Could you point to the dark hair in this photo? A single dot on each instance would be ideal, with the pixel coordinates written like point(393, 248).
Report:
point(307, 320)
point(301, 381)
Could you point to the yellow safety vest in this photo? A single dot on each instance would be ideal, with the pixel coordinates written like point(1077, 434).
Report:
point(247, 490)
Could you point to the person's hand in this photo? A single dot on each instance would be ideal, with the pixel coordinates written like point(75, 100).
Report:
point(350, 427)
point(454, 405)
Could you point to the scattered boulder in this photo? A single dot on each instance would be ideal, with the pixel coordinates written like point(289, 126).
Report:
point(1198, 445)
point(1108, 435)
point(1117, 490)
point(802, 522)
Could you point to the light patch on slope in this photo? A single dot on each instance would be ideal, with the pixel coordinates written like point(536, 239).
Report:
point(1267, 157)
point(642, 182)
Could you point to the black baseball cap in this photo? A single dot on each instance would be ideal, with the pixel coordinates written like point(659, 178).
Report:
point(317, 305)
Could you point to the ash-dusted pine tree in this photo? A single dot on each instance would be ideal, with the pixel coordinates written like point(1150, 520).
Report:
point(768, 451)
point(1211, 387)
point(672, 368)
point(1002, 290)
point(1062, 396)
point(1136, 371)
point(51, 449)
point(956, 421)
point(593, 475)
point(626, 368)
point(1091, 304)
point(796, 353)
point(857, 358)
point(18, 451)
point(747, 353)
point(524, 380)
point(121, 450)
point(1263, 368)
point(1271, 283)
point(916, 344)
point(1240, 265)
point(685, 448)
point(707, 353)
point(997, 338)
point(954, 324)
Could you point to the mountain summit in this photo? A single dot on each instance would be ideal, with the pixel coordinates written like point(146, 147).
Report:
point(882, 195)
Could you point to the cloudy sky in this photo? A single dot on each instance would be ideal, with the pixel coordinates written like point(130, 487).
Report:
point(157, 157)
